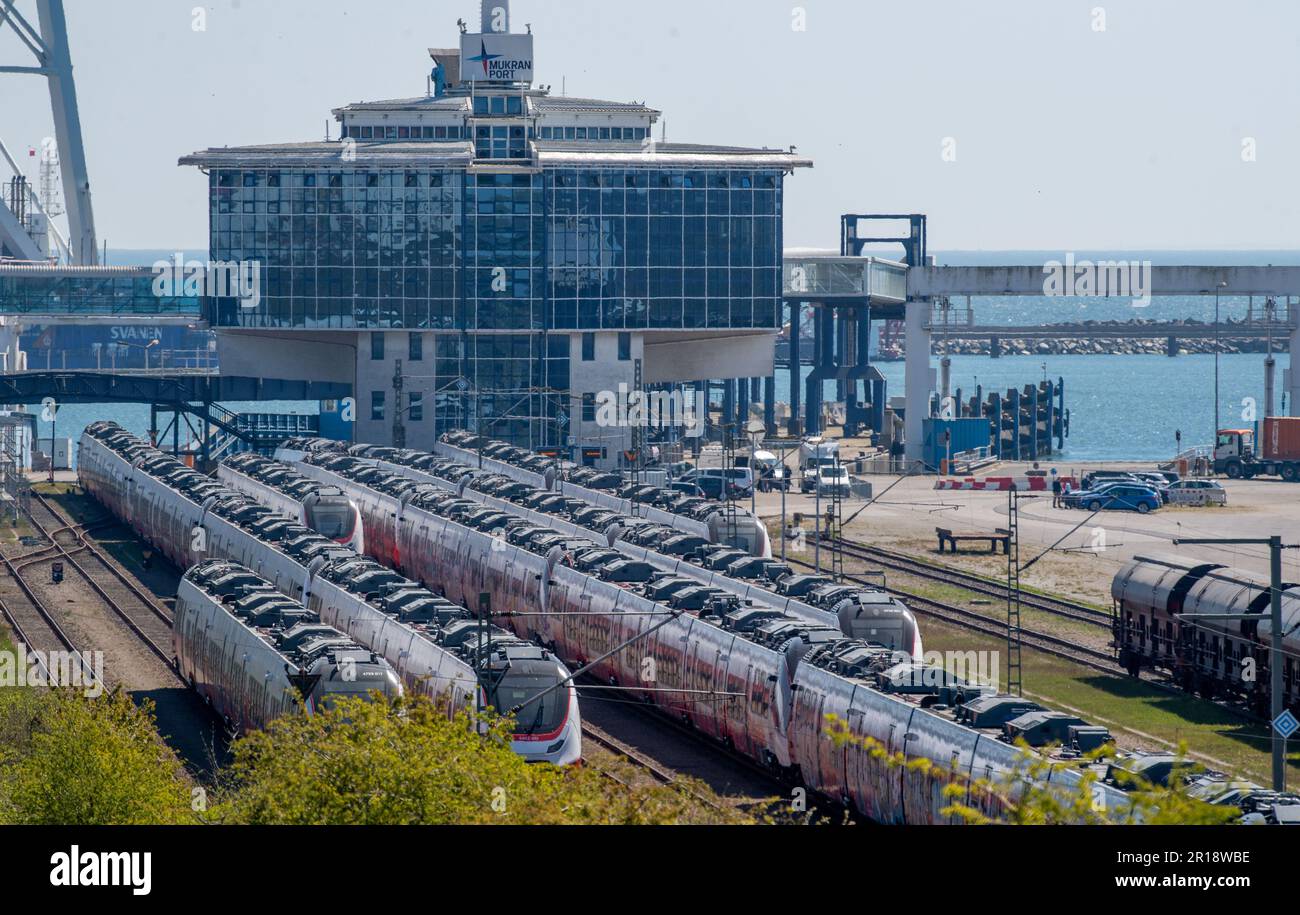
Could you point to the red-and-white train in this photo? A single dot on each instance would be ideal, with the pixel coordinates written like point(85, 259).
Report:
point(766, 681)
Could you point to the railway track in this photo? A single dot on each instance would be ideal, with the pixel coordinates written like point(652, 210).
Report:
point(617, 747)
point(968, 581)
point(986, 625)
point(135, 607)
point(32, 620)
point(658, 773)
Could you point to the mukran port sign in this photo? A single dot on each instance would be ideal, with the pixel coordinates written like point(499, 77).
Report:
point(496, 58)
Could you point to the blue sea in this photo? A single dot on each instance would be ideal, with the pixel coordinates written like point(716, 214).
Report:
point(1121, 407)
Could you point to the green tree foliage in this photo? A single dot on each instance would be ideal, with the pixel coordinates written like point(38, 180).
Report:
point(368, 763)
point(66, 759)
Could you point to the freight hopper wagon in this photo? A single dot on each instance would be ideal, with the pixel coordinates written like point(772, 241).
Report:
point(1213, 658)
point(754, 678)
point(191, 518)
point(254, 655)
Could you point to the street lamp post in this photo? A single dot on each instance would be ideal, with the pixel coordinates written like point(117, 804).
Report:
point(817, 523)
point(756, 430)
point(1218, 348)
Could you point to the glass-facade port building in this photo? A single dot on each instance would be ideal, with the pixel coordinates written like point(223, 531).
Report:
point(492, 257)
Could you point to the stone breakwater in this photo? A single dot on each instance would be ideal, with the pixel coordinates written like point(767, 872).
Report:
point(1109, 346)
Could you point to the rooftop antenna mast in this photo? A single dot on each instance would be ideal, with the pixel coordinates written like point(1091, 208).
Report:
point(48, 44)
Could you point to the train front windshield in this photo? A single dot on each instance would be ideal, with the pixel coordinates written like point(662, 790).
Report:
point(333, 519)
point(545, 716)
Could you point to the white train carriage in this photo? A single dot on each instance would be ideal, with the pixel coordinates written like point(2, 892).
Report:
point(888, 622)
point(737, 691)
point(251, 676)
point(424, 666)
point(327, 511)
point(160, 504)
point(750, 533)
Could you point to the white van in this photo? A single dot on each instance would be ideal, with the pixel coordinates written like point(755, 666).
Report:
point(834, 481)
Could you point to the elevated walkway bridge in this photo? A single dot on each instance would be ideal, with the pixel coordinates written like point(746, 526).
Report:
point(51, 294)
point(193, 397)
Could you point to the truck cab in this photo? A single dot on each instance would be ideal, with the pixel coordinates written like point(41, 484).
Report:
point(814, 454)
point(1239, 455)
point(1234, 452)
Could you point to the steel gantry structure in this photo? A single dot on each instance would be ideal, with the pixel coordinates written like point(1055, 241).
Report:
point(48, 43)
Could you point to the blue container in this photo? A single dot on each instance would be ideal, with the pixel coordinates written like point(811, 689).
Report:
point(968, 435)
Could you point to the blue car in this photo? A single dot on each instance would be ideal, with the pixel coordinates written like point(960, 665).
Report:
point(1117, 497)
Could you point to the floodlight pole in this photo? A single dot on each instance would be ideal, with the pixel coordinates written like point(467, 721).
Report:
point(1275, 548)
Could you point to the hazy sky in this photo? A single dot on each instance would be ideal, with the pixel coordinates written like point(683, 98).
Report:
point(1066, 137)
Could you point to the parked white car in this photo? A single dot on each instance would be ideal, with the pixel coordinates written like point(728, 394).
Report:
point(1197, 493)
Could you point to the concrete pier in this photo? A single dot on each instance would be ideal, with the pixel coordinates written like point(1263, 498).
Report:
point(918, 378)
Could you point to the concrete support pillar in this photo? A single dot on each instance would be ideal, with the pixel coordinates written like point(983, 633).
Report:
point(995, 347)
point(769, 405)
point(729, 406)
point(796, 370)
point(879, 398)
point(701, 415)
point(917, 379)
point(10, 334)
point(742, 404)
